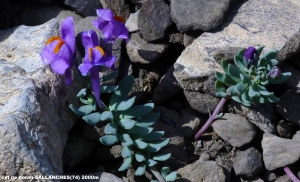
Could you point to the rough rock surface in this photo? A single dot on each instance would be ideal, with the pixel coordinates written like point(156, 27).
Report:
point(234, 129)
point(261, 115)
point(167, 88)
point(201, 102)
point(34, 114)
point(279, 152)
point(84, 8)
point(248, 163)
point(140, 51)
point(187, 125)
point(288, 107)
point(202, 171)
point(36, 15)
point(132, 22)
point(202, 15)
point(154, 20)
point(296, 137)
point(273, 26)
point(119, 7)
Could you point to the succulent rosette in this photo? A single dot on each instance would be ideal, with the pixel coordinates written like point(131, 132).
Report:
point(246, 81)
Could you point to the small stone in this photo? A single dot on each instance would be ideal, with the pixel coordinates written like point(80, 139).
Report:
point(288, 107)
point(140, 51)
point(234, 129)
point(279, 152)
point(204, 156)
point(132, 22)
point(154, 20)
point(271, 177)
point(248, 163)
point(284, 129)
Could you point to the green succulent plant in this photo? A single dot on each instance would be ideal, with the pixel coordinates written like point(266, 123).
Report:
point(129, 125)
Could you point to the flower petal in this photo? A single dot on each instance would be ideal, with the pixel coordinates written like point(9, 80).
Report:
point(89, 39)
point(68, 33)
point(48, 54)
point(120, 30)
point(59, 66)
point(109, 61)
point(85, 67)
point(106, 14)
point(96, 83)
point(68, 76)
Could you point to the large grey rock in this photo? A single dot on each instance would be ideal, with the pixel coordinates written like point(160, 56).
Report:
point(201, 102)
point(132, 22)
point(234, 129)
point(290, 48)
point(140, 51)
point(273, 24)
point(248, 163)
point(36, 15)
point(208, 171)
point(288, 107)
point(119, 7)
point(279, 152)
point(261, 115)
point(84, 8)
point(199, 14)
point(34, 114)
point(167, 88)
point(154, 20)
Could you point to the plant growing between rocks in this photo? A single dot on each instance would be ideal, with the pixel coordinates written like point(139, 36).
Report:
point(128, 124)
point(246, 83)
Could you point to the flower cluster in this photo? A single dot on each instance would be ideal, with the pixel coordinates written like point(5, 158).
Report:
point(59, 52)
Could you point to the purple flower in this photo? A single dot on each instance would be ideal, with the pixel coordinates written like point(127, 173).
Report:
point(251, 56)
point(95, 56)
point(112, 27)
point(59, 52)
point(275, 72)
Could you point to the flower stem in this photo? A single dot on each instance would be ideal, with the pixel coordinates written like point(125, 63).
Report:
point(290, 174)
point(157, 174)
point(212, 117)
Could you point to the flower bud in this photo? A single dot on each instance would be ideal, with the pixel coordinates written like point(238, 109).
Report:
point(251, 56)
point(275, 72)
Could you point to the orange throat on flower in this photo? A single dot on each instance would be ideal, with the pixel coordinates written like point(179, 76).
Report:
point(119, 19)
point(58, 45)
point(90, 52)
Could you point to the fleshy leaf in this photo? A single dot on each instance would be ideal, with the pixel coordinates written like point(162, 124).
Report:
point(125, 87)
point(126, 164)
point(147, 120)
point(139, 157)
point(159, 143)
point(274, 62)
point(109, 76)
point(259, 50)
point(241, 63)
point(224, 65)
point(110, 128)
point(270, 54)
point(263, 91)
point(221, 94)
point(127, 123)
point(82, 93)
point(140, 144)
point(253, 90)
point(151, 162)
point(283, 77)
point(234, 73)
point(138, 130)
point(108, 89)
point(262, 62)
point(108, 140)
point(126, 140)
point(137, 111)
point(107, 116)
point(240, 88)
point(220, 86)
point(165, 171)
point(126, 152)
point(162, 157)
point(83, 110)
point(123, 105)
point(172, 176)
point(93, 118)
point(140, 170)
point(231, 90)
point(152, 136)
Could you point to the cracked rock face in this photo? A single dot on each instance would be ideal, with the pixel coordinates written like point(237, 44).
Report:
point(34, 114)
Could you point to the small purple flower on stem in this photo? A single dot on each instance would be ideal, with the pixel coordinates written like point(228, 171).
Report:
point(275, 72)
point(59, 52)
point(112, 27)
point(251, 56)
point(95, 56)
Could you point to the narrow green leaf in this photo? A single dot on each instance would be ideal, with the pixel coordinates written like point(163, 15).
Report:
point(272, 98)
point(259, 50)
point(126, 164)
point(139, 157)
point(110, 129)
point(220, 86)
point(137, 111)
point(82, 93)
point(165, 171)
point(93, 118)
point(253, 91)
point(234, 73)
point(126, 140)
point(218, 116)
point(140, 144)
point(108, 89)
point(224, 65)
point(109, 76)
point(220, 76)
point(125, 87)
point(172, 176)
point(123, 105)
point(138, 130)
point(151, 162)
point(140, 170)
point(127, 123)
point(152, 136)
point(126, 152)
point(107, 116)
point(108, 140)
point(162, 157)
point(159, 143)
point(147, 120)
point(265, 82)
point(82, 110)
point(240, 63)
point(246, 98)
point(221, 94)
